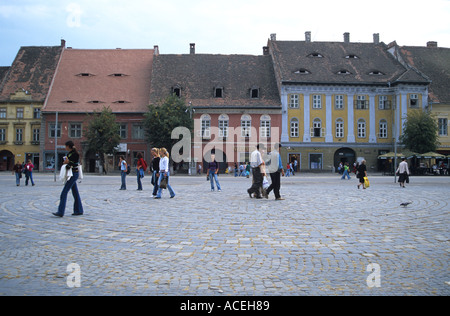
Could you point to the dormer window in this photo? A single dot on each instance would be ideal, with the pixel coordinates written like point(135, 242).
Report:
point(176, 90)
point(254, 93)
point(315, 55)
point(95, 101)
point(352, 56)
point(376, 73)
point(85, 74)
point(302, 71)
point(121, 102)
point(69, 101)
point(218, 92)
point(118, 75)
point(343, 72)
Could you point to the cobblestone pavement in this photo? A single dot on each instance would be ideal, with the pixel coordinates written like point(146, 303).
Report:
point(319, 241)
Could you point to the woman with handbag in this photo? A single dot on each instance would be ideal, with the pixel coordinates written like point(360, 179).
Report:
point(163, 180)
point(71, 161)
point(362, 174)
point(403, 172)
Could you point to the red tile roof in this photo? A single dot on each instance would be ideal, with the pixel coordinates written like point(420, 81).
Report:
point(88, 80)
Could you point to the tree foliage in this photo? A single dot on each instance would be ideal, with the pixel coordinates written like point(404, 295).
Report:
point(420, 133)
point(102, 133)
point(161, 119)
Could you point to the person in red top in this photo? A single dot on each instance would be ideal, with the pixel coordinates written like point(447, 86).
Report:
point(29, 172)
point(140, 170)
point(17, 170)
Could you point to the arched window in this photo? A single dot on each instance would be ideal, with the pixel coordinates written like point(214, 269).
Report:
point(223, 125)
point(339, 128)
point(294, 127)
point(265, 126)
point(361, 128)
point(316, 130)
point(383, 129)
point(206, 126)
point(246, 126)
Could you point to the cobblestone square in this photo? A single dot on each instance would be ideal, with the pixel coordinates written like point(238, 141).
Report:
point(326, 238)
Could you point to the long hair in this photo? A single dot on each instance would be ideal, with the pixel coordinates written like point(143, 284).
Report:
point(164, 152)
point(71, 145)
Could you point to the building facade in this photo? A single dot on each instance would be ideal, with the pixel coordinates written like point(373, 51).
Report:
point(87, 81)
point(342, 101)
point(23, 90)
point(233, 100)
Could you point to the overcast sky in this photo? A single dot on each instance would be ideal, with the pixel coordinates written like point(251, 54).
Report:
point(217, 27)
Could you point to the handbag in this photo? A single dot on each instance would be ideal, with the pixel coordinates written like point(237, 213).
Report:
point(366, 182)
point(163, 184)
point(266, 183)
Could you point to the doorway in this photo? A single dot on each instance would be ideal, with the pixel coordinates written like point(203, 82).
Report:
point(6, 160)
point(344, 155)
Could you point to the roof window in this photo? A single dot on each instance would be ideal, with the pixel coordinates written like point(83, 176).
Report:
point(85, 74)
point(343, 72)
point(315, 55)
point(376, 73)
point(302, 71)
point(218, 92)
point(352, 56)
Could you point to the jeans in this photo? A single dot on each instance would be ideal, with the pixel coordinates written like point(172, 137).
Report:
point(29, 176)
point(138, 171)
point(213, 177)
point(18, 178)
point(172, 193)
point(345, 175)
point(155, 181)
point(123, 176)
point(71, 184)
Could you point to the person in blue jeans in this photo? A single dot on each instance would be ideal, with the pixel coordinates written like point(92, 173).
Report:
point(164, 173)
point(213, 169)
point(123, 172)
point(71, 162)
point(346, 172)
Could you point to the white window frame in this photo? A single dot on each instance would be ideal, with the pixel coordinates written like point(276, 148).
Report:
point(383, 129)
point(317, 101)
point(294, 101)
point(362, 128)
point(295, 128)
point(246, 126)
point(340, 128)
point(339, 102)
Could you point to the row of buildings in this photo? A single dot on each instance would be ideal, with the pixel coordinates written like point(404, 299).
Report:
point(326, 102)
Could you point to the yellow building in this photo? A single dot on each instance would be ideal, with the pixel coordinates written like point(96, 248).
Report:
point(23, 89)
point(342, 101)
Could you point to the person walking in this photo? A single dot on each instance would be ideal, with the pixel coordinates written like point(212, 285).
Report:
point(72, 161)
point(29, 173)
point(123, 172)
point(141, 166)
point(17, 170)
point(275, 169)
point(403, 172)
point(362, 173)
point(164, 173)
point(213, 169)
point(346, 172)
point(257, 165)
point(155, 170)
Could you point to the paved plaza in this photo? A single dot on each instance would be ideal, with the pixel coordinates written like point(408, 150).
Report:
point(326, 238)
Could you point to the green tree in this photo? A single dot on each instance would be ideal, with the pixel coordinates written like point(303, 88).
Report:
point(420, 133)
point(162, 118)
point(102, 133)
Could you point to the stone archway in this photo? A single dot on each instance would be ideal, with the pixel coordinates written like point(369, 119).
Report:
point(6, 160)
point(344, 155)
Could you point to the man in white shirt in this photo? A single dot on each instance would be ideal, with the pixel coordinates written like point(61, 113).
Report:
point(257, 165)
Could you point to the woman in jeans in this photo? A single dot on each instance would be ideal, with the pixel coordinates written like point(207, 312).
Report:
point(123, 172)
point(213, 169)
point(72, 161)
point(155, 170)
point(164, 172)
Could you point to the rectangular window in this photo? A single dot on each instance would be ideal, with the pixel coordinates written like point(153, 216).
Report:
point(138, 132)
point(317, 101)
point(265, 129)
point(383, 129)
point(2, 113)
point(339, 102)
point(36, 134)
point(361, 103)
point(19, 113)
point(2, 134)
point(246, 127)
point(223, 128)
point(206, 129)
point(443, 126)
point(384, 103)
point(36, 113)
point(75, 130)
point(294, 101)
point(361, 129)
point(414, 101)
point(19, 135)
point(53, 130)
point(315, 161)
point(123, 131)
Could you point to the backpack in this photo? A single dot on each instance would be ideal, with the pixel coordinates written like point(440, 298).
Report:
point(128, 169)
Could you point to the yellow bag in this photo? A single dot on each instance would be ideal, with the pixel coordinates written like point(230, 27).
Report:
point(366, 182)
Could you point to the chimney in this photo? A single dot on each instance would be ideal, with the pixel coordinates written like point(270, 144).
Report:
point(192, 46)
point(273, 37)
point(308, 37)
point(346, 37)
point(265, 50)
point(432, 44)
point(156, 50)
point(63, 43)
point(376, 38)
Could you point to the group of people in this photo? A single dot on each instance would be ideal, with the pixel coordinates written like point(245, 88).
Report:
point(26, 169)
point(159, 170)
